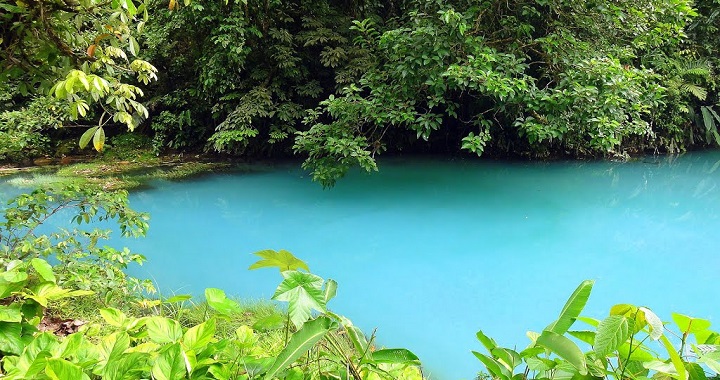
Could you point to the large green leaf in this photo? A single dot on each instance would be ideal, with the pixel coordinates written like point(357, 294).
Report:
point(43, 268)
point(300, 342)
point(199, 336)
point(507, 357)
point(162, 330)
point(170, 364)
point(564, 348)
point(688, 324)
point(395, 356)
point(128, 366)
point(585, 336)
point(572, 308)
point(303, 292)
point(113, 317)
point(695, 372)
point(10, 313)
point(493, 366)
point(60, 369)
point(638, 353)
point(281, 259)
point(611, 333)
point(486, 341)
point(85, 138)
point(357, 337)
point(674, 358)
point(217, 300)
point(10, 338)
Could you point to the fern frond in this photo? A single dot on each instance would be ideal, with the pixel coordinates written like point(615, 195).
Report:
point(697, 91)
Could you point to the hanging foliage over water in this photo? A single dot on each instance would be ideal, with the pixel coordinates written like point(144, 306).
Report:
point(341, 82)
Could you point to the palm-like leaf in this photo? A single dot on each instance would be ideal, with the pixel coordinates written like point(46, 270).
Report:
point(281, 259)
point(303, 292)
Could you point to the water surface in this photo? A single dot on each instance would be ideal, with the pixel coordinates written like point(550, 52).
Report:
point(429, 251)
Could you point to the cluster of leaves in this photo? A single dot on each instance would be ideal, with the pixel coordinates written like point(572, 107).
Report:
point(323, 346)
point(82, 262)
point(24, 130)
point(238, 77)
point(539, 78)
point(619, 347)
point(84, 53)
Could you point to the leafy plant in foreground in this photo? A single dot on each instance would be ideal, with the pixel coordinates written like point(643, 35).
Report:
point(621, 346)
point(82, 262)
point(323, 346)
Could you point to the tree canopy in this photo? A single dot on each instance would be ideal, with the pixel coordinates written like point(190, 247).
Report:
point(341, 82)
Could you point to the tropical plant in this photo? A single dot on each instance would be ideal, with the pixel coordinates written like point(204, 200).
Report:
point(619, 346)
point(82, 263)
point(85, 53)
point(160, 347)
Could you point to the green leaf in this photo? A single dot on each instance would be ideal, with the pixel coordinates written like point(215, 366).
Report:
point(638, 353)
point(133, 46)
point(486, 341)
point(395, 356)
point(493, 366)
point(197, 337)
point(330, 290)
point(44, 269)
point(245, 336)
point(675, 358)
point(60, 369)
point(170, 365)
point(113, 317)
point(128, 366)
point(271, 322)
point(303, 293)
point(99, 138)
point(162, 330)
point(572, 308)
point(688, 324)
point(132, 10)
point(695, 372)
point(85, 138)
point(585, 336)
point(564, 348)
point(300, 342)
point(11, 338)
point(357, 337)
point(611, 333)
point(178, 298)
point(539, 364)
point(10, 313)
point(281, 259)
point(507, 357)
point(217, 300)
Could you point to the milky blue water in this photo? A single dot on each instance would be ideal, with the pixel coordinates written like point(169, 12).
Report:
point(429, 251)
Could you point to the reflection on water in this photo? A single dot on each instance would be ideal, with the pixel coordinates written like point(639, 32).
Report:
point(429, 251)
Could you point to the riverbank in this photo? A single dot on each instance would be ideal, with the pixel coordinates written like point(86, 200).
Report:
point(115, 169)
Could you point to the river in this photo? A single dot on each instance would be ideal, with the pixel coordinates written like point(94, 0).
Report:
point(428, 250)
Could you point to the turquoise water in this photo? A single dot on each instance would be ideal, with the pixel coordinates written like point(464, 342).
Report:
point(429, 251)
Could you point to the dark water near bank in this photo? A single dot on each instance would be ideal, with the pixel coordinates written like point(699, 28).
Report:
point(430, 251)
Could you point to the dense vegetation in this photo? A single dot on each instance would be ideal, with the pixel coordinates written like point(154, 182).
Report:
point(340, 82)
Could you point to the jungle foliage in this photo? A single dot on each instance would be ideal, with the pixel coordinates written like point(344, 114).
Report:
point(37, 271)
point(631, 342)
point(339, 82)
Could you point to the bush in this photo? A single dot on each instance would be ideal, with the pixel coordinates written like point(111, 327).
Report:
point(23, 132)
